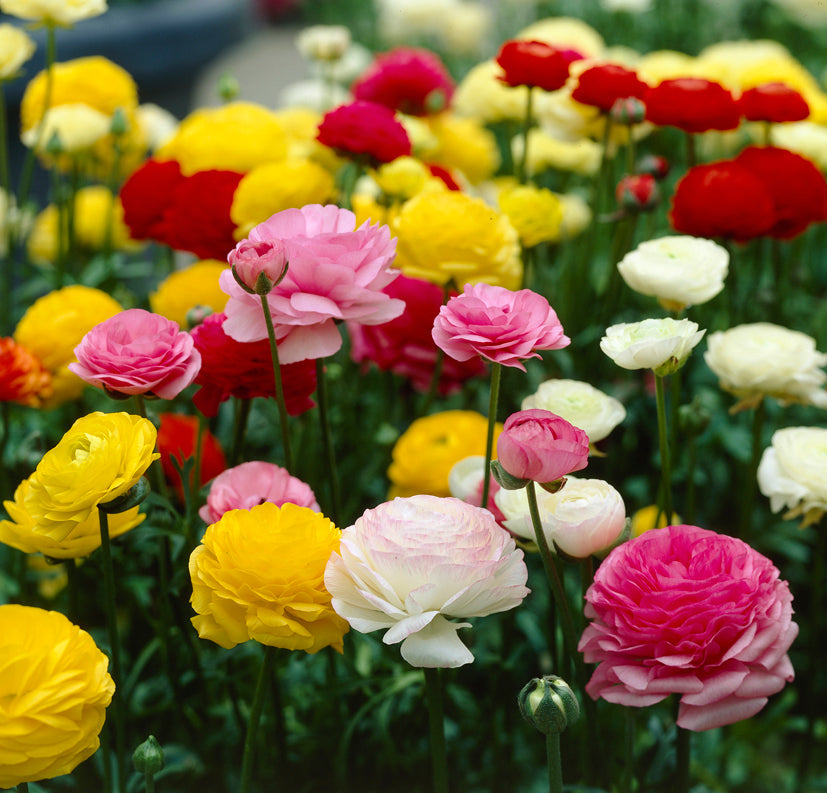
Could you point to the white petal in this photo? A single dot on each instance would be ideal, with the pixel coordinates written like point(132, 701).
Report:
point(437, 646)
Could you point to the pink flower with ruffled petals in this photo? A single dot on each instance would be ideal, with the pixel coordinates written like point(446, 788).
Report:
point(252, 483)
point(686, 611)
point(500, 325)
point(335, 272)
point(137, 352)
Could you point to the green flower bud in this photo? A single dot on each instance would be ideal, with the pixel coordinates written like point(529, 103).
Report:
point(228, 87)
point(120, 123)
point(549, 704)
point(134, 496)
point(148, 758)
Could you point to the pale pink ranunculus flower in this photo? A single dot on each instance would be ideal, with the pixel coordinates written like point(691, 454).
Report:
point(248, 484)
point(411, 565)
point(335, 272)
point(137, 352)
point(686, 611)
point(258, 265)
point(500, 325)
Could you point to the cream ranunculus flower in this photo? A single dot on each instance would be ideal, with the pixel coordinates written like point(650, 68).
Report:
point(679, 271)
point(77, 128)
point(16, 47)
point(546, 152)
point(803, 137)
point(323, 42)
point(662, 345)
point(60, 12)
point(579, 403)
point(793, 473)
point(761, 359)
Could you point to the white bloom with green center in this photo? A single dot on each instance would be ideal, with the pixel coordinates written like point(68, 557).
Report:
point(662, 345)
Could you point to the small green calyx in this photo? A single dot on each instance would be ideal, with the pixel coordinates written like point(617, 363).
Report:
point(134, 496)
point(505, 480)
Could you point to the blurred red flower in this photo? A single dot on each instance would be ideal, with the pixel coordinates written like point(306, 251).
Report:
point(775, 102)
point(692, 104)
point(365, 129)
point(176, 439)
point(601, 86)
point(146, 194)
point(535, 64)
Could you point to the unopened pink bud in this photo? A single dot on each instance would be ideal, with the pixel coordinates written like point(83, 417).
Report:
point(259, 265)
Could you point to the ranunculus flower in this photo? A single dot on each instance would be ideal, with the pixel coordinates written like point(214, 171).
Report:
point(258, 574)
point(602, 85)
point(793, 473)
point(535, 212)
point(691, 104)
point(323, 42)
point(335, 272)
point(23, 378)
point(679, 271)
point(76, 127)
point(500, 325)
point(686, 611)
point(412, 565)
point(583, 518)
point(541, 446)
point(259, 264)
point(16, 47)
point(466, 479)
point(662, 345)
point(365, 129)
point(762, 359)
point(773, 102)
point(637, 193)
point(535, 64)
point(99, 458)
point(177, 435)
point(246, 485)
point(137, 352)
point(60, 12)
point(146, 194)
point(54, 691)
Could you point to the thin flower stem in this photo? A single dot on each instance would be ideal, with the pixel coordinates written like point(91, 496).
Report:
point(683, 751)
point(439, 760)
point(433, 386)
point(555, 763)
point(748, 490)
point(522, 176)
point(327, 440)
point(23, 787)
point(149, 782)
point(264, 675)
point(493, 399)
point(274, 352)
point(663, 440)
point(242, 414)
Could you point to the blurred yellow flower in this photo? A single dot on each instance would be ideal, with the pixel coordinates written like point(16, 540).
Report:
point(449, 235)
point(544, 152)
point(76, 127)
point(402, 178)
point(644, 520)
point(425, 453)
point(51, 576)
point(654, 67)
point(54, 12)
point(259, 574)
point(301, 125)
point(53, 326)
point(54, 690)
point(481, 95)
point(567, 33)
point(577, 215)
point(16, 47)
point(535, 212)
point(183, 290)
point(804, 138)
point(466, 145)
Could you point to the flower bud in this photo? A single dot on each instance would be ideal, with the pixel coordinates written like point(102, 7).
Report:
point(197, 314)
point(258, 265)
point(637, 193)
point(628, 110)
point(148, 758)
point(228, 87)
point(549, 704)
point(693, 418)
point(119, 125)
point(654, 165)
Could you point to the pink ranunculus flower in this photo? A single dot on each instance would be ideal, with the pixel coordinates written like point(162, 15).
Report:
point(246, 485)
point(686, 611)
point(335, 272)
point(539, 445)
point(500, 325)
point(137, 352)
point(258, 264)
point(411, 565)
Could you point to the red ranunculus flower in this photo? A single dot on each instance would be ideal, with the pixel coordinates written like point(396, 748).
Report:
point(146, 194)
point(796, 186)
point(408, 79)
point(535, 64)
point(776, 102)
point(245, 370)
point(365, 129)
point(692, 104)
point(176, 439)
point(601, 86)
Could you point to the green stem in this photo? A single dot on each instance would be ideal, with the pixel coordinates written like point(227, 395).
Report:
point(327, 440)
point(433, 386)
point(663, 440)
point(255, 716)
point(242, 414)
point(149, 782)
point(750, 486)
point(274, 352)
point(691, 465)
point(683, 750)
point(629, 737)
point(23, 787)
point(521, 175)
point(555, 763)
point(439, 761)
point(493, 399)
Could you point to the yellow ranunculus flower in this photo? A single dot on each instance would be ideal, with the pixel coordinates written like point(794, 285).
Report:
point(58, 12)
point(577, 215)
point(427, 451)
point(466, 145)
point(100, 458)
point(449, 235)
point(259, 574)
point(544, 152)
point(78, 127)
point(183, 290)
point(535, 212)
point(567, 33)
point(54, 690)
point(481, 95)
point(644, 520)
point(22, 532)
point(654, 67)
point(402, 178)
point(53, 326)
point(16, 47)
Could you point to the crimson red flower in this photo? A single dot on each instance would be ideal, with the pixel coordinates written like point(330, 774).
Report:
point(23, 378)
point(776, 102)
point(245, 370)
point(796, 186)
point(176, 439)
point(146, 194)
point(637, 193)
point(692, 104)
point(535, 64)
point(408, 79)
point(365, 129)
point(601, 86)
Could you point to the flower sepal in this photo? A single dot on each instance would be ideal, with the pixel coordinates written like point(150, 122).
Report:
point(553, 487)
point(505, 480)
point(134, 496)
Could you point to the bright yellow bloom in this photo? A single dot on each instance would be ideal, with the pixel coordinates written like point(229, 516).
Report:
point(54, 690)
point(53, 326)
point(402, 178)
point(427, 451)
point(644, 520)
point(16, 47)
point(183, 290)
point(449, 235)
point(259, 574)
point(566, 33)
point(100, 458)
point(535, 212)
point(466, 145)
point(654, 67)
point(236, 137)
point(481, 95)
point(545, 152)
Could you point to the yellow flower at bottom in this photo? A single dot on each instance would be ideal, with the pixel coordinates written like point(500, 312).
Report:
point(259, 574)
point(54, 690)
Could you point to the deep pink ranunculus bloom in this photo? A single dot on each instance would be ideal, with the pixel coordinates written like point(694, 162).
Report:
point(252, 483)
point(335, 272)
point(366, 130)
point(540, 445)
point(500, 325)
point(686, 611)
point(137, 352)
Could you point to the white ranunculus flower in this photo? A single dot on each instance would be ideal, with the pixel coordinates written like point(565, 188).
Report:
point(630, 6)
point(579, 403)
point(157, 123)
point(315, 94)
point(584, 517)
point(761, 359)
point(62, 12)
point(659, 344)
point(412, 564)
point(793, 472)
point(16, 47)
point(323, 42)
point(78, 127)
point(678, 270)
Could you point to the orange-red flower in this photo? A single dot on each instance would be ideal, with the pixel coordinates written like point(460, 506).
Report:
point(23, 378)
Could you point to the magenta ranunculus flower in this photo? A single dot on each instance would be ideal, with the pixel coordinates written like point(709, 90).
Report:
point(138, 352)
point(246, 485)
point(335, 272)
point(686, 611)
point(541, 446)
point(500, 325)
